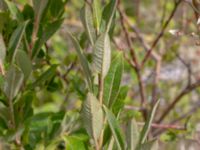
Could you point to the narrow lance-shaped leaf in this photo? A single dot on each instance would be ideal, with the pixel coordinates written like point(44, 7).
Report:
point(13, 81)
point(147, 126)
point(83, 61)
point(92, 116)
point(39, 7)
point(97, 13)
point(15, 40)
point(119, 102)
point(48, 30)
point(113, 81)
point(115, 128)
point(24, 63)
point(102, 55)
point(108, 14)
point(87, 20)
point(2, 49)
point(132, 134)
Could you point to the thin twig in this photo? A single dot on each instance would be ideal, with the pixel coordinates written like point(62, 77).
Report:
point(185, 91)
point(164, 126)
point(160, 35)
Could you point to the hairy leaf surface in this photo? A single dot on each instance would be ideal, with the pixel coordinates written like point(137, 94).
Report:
point(92, 116)
point(102, 55)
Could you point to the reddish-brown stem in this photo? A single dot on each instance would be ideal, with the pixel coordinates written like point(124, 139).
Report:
point(164, 126)
point(160, 35)
point(136, 66)
point(170, 107)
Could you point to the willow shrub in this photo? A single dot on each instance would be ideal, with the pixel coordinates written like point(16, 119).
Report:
point(23, 36)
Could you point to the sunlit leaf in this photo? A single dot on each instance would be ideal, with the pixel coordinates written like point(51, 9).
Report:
point(132, 134)
point(73, 143)
point(102, 55)
point(92, 116)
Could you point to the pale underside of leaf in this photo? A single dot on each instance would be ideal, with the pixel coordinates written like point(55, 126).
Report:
point(13, 81)
point(2, 49)
point(92, 116)
point(132, 134)
point(102, 55)
point(87, 20)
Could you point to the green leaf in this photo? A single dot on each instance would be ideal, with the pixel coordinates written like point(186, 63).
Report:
point(92, 116)
point(113, 81)
point(2, 49)
point(151, 145)
point(132, 134)
point(97, 13)
point(50, 29)
point(119, 103)
point(4, 16)
point(147, 126)
point(108, 14)
point(15, 12)
point(74, 143)
point(13, 82)
point(84, 62)
point(56, 8)
point(23, 107)
point(39, 7)
point(102, 55)
point(87, 20)
point(15, 40)
point(24, 63)
point(47, 75)
point(47, 31)
point(115, 128)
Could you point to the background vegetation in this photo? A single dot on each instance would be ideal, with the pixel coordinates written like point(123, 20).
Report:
point(99, 74)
